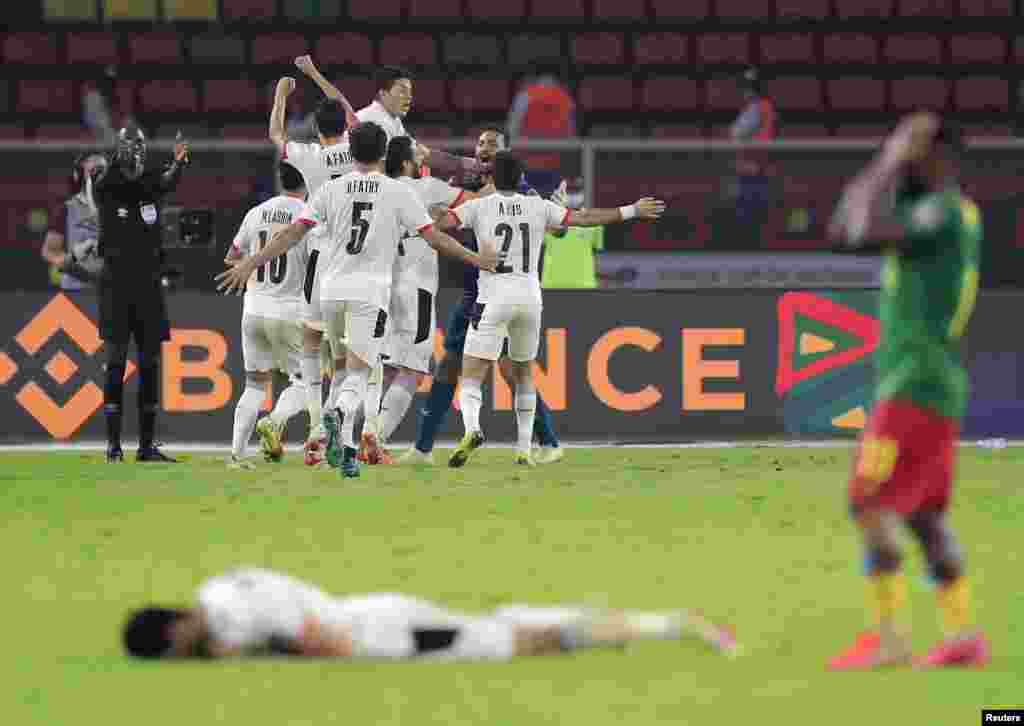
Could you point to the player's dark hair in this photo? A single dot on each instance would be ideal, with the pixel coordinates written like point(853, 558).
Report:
point(399, 152)
point(291, 178)
point(508, 170)
point(147, 633)
point(330, 117)
point(388, 76)
point(368, 143)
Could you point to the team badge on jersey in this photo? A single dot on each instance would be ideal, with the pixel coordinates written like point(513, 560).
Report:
point(149, 213)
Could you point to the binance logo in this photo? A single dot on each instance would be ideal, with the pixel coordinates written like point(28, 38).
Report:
point(60, 420)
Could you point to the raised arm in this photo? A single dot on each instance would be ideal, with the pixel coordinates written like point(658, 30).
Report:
point(646, 208)
point(278, 132)
point(305, 64)
point(168, 180)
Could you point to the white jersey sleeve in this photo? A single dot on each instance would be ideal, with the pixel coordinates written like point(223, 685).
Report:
point(434, 191)
point(242, 243)
point(393, 126)
point(558, 215)
point(467, 213)
point(412, 214)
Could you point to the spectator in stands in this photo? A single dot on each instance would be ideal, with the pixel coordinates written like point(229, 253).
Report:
point(73, 251)
point(569, 252)
point(543, 109)
point(756, 122)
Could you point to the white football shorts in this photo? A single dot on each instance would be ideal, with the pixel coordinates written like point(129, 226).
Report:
point(491, 323)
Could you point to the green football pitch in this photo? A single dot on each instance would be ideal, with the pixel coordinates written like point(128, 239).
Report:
point(756, 537)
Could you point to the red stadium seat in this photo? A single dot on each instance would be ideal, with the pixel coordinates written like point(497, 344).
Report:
point(982, 93)
point(802, 93)
point(344, 48)
point(805, 131)
point(974, 8)
point(35, 48)
point(674, 10)
point(908, 94)
point(864, 8)
point(154, 48)
point(787, 48)
point(850, 48)
point(678, 131)
point(978, 48)
point(934, 8)
point(743, 9)
point(605, 94)
point(856, 93)
point(280, 48)
point(430, 94)
point(598, 48)
point(790, 9)
point(988, 131)
point(245, 132)
point(236, 95)
point(665, 48)
point(360, 90)
point(172, 96)
point(64, 132)
point(863, 131)
point(722, 94)
point(436, 11)
point(619, 10)
point(47, 96)
point(98, 48)
point(408, 49)
point(723, 48)
point(670, 94)
point(913, 48)
point(12, 132)
point(384, 11)
point(558, 11)
point(249, 10)
point(480, 94)
point(125, 95)
point(490, 11)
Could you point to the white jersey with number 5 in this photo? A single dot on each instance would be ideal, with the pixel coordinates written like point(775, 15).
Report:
point(363, 216)
point(274, 289)
point(514, 224)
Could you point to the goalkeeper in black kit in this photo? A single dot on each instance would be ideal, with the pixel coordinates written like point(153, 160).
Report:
point(131, 293)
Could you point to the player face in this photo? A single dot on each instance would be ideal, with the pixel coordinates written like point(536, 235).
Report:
point(94, 163)
point(398, 99)
point(489, 144)
point(411, 168)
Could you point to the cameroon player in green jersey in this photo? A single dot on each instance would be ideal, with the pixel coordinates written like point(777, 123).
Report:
point(907, 203)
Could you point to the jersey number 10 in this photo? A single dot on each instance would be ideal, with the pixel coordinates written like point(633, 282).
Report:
point(278, 265)
point(506, 244)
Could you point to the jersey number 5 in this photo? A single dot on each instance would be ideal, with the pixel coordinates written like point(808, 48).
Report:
point(360, 227)
point(278, 265)
point(506, 245)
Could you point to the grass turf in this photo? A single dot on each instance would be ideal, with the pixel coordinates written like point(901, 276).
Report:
point(756, 537)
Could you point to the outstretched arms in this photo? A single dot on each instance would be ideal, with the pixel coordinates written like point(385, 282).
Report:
point(305, 64)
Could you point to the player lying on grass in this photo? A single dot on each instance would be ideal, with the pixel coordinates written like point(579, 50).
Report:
point(259, 612)
point(908, 197)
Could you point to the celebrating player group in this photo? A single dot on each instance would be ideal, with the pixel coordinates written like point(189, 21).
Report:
point(348, 255)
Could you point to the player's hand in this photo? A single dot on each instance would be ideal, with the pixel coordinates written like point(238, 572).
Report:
point(232, 281)
point(913, 138)
point(305, 64)
point(561, 195)
point(285, 85)
point(488, 255)
point(180, 149)
point(649, 208)
point(488, 188)
point(422, 153)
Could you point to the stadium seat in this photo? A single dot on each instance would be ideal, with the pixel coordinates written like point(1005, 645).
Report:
point(245, 132)
point(670, 94)
point(731, 48)
point(805, 131)
point(36, 48)
point(855, 93)
point(841, 48)
point(533, 50)
point(618, 11)
point(557, 11)
point(154, 48)
point(100, 48)
point(435, 11)
point(863, 131)
point(933, 8)
point(722, 94)
point(375, 11)
point(796, 9)
point(605, 94)
point(70, 11)
point(360, 90)
point(64, 132)
point(743, 10)
point(978, 48)
point(280, 48)
point(912, 48)
point(678, 131)
point(480, 94)
point(912, 93)
point(661, 48)
point(988, 131)
point(340, 48)
point(249, 10)
point(490, 11)
point(674, 10)
point(125, 96)
point(236, 95)
point(312, 11)
point(466, 49)
point(130, 10)
point(408, 49)
point(802, 93)
point(46, 96)
point(787, 48)
point(165, 95)
point(864, 8)
point(982, 93)
point(12, 132)
point(430, 94)
point(598, 48)
point(190, 9)
point(217, 49)
point(974, 8)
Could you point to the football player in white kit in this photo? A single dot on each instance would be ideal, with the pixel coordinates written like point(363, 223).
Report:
point(364, 214)
point(271, 334)
point(509, 300)
point(249, 612)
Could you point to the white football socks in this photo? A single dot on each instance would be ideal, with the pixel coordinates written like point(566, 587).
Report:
point(247, 411)
point(396, 403)
point(471, 398)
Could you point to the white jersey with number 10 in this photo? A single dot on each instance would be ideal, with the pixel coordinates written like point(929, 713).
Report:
point(514, 224)
point(274, 289)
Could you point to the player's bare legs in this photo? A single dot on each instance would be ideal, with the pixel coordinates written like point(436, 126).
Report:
point(470, 401)
point(247, 411)
point(526, 407)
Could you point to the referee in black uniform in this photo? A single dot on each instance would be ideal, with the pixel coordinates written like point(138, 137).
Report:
point(131, 295)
